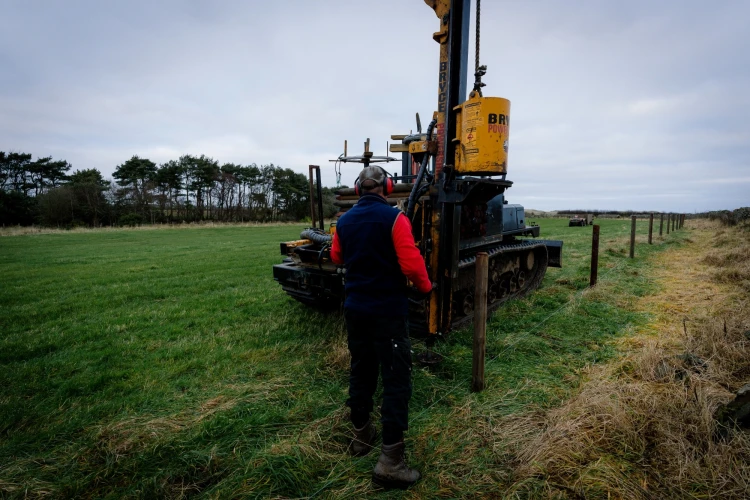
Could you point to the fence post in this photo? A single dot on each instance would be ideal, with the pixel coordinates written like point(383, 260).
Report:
point(312, 197)
point(669, 220)
point(632, 236)
point(594, 255)
point(650, 227)
point(661, 223)
point(480, 322)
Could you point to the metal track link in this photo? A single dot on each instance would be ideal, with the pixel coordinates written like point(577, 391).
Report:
point(500, 249)
point(418, 325)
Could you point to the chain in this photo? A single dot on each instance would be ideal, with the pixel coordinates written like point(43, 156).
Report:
point(479, 71)
point(476, 45)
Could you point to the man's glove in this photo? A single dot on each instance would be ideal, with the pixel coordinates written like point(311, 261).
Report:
point(417, 295)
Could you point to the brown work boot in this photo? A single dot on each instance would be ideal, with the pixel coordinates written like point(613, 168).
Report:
point(364, 439)
point(391, 470)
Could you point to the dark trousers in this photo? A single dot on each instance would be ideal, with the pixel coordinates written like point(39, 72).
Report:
point(380, 343)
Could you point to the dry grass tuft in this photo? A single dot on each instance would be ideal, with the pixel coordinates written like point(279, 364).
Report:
point(31, 489)
point(131, 435)
point(732, 258)
point(644, 426)
point(337, 359)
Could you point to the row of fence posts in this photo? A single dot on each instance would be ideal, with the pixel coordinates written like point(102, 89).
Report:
point(676, 221)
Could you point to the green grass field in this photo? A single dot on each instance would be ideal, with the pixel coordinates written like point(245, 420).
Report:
point(142, 363)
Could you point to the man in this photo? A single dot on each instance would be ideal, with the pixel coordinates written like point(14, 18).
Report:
point(374, 243)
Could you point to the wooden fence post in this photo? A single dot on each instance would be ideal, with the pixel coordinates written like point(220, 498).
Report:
point(632, 236)
point(312, 197)
point(594, 255)
point(661, 223)
point(674, 216)
point(650, 227)
point(669, 219)
point(480, 322)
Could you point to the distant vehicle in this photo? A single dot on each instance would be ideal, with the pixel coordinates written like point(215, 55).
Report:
point(581, 220)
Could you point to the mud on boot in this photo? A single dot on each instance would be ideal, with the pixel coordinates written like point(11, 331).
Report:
point(364, 440)
point(391, 470)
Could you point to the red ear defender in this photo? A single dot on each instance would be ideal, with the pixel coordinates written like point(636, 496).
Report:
point(387, 186)
point(387, 183)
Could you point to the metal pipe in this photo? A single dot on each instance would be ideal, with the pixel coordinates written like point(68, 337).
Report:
point(320, 198)
point(422, 168)
point(316, 236)
point(312, 196)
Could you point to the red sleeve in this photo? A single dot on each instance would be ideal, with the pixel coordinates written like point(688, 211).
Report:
point(336, 255)
point(409, 258)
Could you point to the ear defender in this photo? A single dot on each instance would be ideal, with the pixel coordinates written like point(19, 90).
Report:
point(387, 183)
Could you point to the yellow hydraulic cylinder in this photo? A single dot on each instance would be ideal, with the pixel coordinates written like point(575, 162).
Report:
point(482, 126)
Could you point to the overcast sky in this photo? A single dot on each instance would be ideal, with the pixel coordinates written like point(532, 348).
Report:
point(615, 105)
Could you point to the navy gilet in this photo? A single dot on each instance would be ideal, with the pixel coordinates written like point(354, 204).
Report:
point(374, 281)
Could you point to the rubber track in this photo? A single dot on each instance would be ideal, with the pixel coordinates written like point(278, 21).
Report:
point(417, 324)
point(492, 252)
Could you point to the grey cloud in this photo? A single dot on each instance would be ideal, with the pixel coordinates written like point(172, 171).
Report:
point(614, 104)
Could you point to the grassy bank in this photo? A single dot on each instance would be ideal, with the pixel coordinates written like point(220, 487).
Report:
point(648, 424)
point(168, 363)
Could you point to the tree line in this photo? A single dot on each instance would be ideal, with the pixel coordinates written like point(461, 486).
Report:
point(188, 189)
point(726, 217)
point(739, 216)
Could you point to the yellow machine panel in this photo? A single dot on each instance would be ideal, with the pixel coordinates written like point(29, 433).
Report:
point(482, 126)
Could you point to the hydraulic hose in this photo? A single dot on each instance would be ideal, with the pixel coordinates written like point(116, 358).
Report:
point(422, 169)
point(316, 236)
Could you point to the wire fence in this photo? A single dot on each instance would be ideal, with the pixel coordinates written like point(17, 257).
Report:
point(353, 463)
point(673, 221)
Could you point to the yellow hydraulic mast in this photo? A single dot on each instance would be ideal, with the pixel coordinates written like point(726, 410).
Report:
point(452, 36)
point(442, 9)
